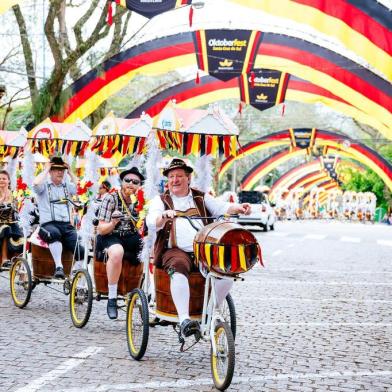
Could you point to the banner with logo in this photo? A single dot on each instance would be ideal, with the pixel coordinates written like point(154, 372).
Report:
point(263, 88)
point(150, 8)
point(226, 54)
point(302, 138)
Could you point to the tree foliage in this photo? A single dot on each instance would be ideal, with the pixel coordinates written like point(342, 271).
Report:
point(368, 181)
point(68, 45)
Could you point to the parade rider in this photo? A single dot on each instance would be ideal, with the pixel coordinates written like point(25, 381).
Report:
point(174, 244)
point(55, 212)
point(118, 236)
point(9, 229)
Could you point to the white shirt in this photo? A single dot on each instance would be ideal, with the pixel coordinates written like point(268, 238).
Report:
point(185, 233)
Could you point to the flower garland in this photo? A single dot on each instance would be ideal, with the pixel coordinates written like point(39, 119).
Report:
point(84, 191)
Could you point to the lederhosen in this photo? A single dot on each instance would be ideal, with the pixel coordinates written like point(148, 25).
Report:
point(174, 259)
point(10, 230)
point(61, 231)
point(124, 234)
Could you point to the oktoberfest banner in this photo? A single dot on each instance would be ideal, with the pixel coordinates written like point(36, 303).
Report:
point(150, 8)
point(302, 138)
point(226, 54)
point(263, 88)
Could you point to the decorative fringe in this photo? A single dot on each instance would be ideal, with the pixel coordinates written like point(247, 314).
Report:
point(148, 244)
point(11, 168)
point(203, 169)
point(25, 217)
point(28, 169)
point(153, 161)
point(91, 174)
point(154, 158)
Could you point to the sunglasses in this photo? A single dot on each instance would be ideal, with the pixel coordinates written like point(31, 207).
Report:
point(131, 180)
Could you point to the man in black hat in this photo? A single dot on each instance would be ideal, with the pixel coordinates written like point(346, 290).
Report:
point(55, 212)
point(173, 249)
point(118, 235)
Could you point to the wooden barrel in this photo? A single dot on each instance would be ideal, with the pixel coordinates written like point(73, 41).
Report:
point(164, 301)
point(226, 248)
point(130, 277)
point(43, 263)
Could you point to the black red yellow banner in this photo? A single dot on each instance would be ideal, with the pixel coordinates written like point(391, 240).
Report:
point(151, 8)
point(226, 54)
point(263, 88)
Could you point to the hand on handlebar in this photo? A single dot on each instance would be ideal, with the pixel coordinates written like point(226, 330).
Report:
point(116, 217)
point(168, 214)
point(244, 208)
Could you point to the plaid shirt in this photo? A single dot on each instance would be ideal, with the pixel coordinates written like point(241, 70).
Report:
point(110, 203)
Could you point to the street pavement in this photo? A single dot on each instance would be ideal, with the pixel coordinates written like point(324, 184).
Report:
point(316, 318)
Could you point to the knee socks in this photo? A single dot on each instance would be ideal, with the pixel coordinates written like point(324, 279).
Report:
point(56, 249)
point(179, 288)
point(112, 291)
point(222, 288)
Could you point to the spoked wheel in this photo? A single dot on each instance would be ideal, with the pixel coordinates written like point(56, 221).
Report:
point(81, 298)
point(21, 282)
point(229, 314)
point(223, 361)
point(137, 324)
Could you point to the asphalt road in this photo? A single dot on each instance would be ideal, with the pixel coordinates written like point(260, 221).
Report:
point(316, 318)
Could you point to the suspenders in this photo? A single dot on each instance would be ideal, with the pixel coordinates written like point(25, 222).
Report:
point(49, 186)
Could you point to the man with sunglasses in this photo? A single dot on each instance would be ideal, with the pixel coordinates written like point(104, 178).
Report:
point(116, 235)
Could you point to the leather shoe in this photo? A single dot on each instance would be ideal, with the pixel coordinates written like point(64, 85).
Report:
point(59, 273)
point(190, 327)
point(112, 308)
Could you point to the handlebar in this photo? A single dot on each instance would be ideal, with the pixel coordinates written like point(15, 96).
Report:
point(215, 217)
point(65, 201)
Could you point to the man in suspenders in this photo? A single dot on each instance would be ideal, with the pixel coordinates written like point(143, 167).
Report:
point(173, 249)
point(55, 212)
point(119, 236)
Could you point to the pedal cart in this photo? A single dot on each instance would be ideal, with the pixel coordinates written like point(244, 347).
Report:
point(83, 291)
point(224, 250)
point(25, 275)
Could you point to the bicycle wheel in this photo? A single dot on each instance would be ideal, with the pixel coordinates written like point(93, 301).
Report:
point(223, 361)
point(137, 324)
point(81, 298)
point(229, 314)
point(21, 284)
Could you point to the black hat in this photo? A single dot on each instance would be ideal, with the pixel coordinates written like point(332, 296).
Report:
point(106, 184)
point(177, 163)
point(132, 170)
point(57, 163)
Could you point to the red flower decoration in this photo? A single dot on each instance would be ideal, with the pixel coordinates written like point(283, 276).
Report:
point(20, 185)
point(140, 199)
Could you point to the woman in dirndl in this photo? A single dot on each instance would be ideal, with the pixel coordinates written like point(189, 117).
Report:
point(9, 228)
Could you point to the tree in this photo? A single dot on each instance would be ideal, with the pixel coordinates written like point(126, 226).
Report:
point(67, 53)
point(7, 101)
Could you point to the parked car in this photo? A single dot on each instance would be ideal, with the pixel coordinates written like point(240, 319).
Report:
point(262, 214)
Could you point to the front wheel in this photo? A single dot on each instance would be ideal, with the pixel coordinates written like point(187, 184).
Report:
point(223, 361)
point(21, 282)
point(229, 314)
point(137, 324)
point(81, 298)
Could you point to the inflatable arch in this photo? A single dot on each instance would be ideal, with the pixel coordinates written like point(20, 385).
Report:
point(189, 95)
point(342, 77)
point(331, 143)
point(363, 26)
